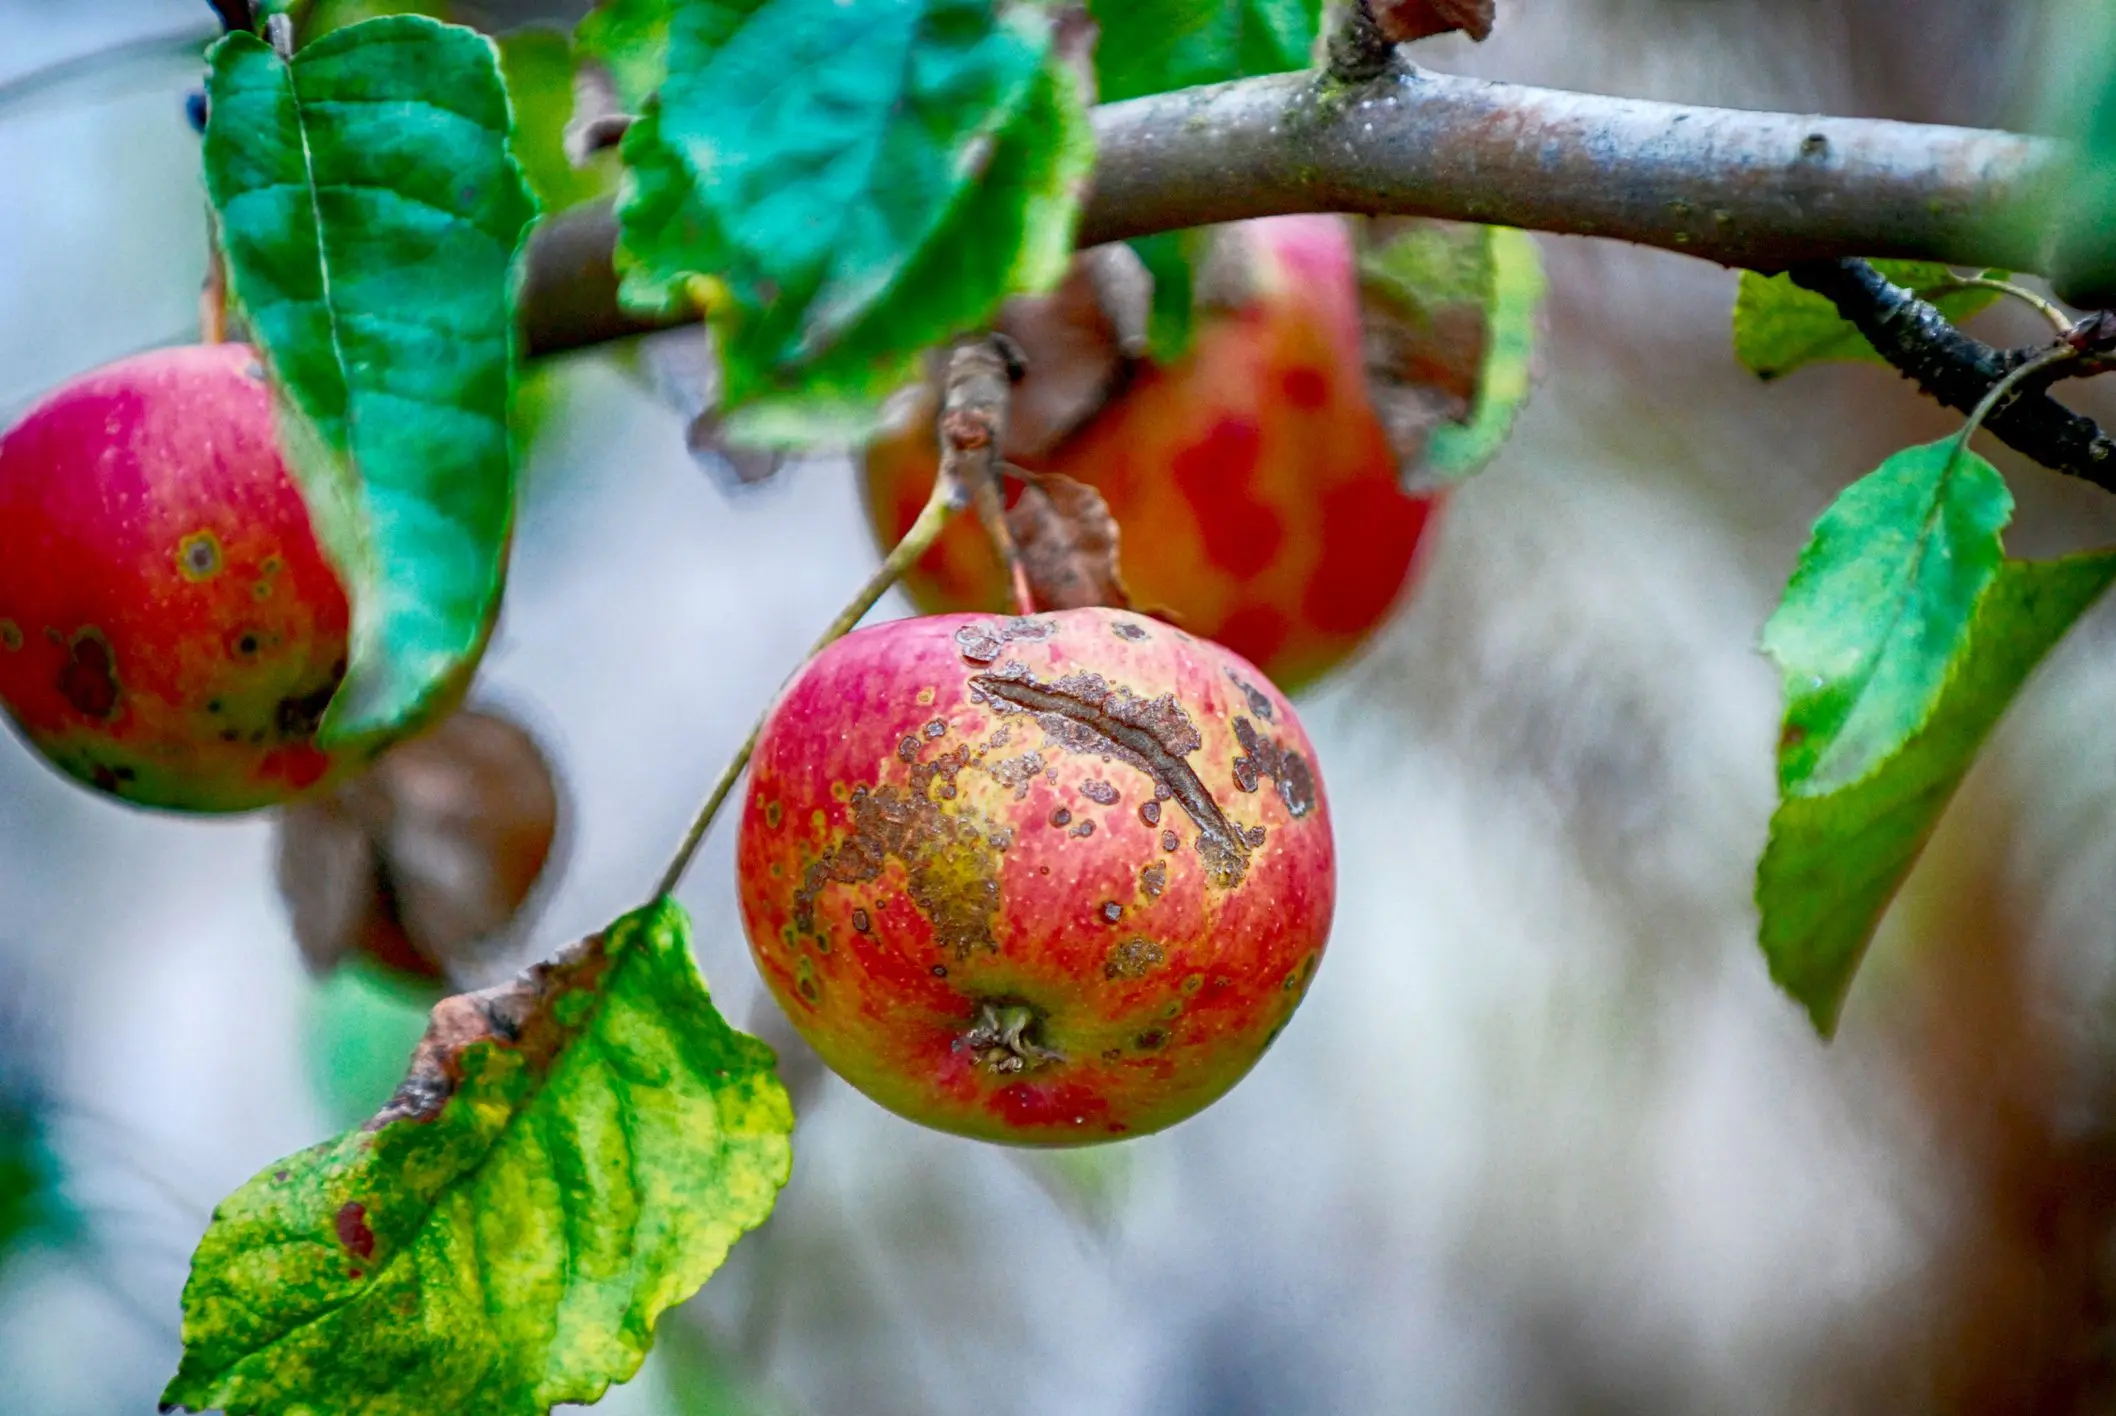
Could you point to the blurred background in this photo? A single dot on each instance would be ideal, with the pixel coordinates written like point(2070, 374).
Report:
point(1543, 1139)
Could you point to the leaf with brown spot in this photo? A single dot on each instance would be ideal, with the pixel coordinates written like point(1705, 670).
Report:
point(426, 861)
point(1067, 541)
point(1402, 21)
point(572, 1154)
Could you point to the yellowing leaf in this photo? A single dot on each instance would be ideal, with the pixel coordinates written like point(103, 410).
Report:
point(570, 1155)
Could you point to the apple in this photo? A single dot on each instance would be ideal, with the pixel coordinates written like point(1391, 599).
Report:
point(170, 631)
point(1258, 500)
point(1048, 881)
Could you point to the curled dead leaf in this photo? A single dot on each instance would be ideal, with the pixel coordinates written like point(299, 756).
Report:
point(1067, 542)
point(1078, 345)
point(426, 861)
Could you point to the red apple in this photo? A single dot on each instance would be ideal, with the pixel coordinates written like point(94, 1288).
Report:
point(170, 632)
point(1048, 881)
point(1254, 487)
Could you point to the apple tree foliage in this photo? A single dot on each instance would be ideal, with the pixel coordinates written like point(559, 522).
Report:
point(836, 187)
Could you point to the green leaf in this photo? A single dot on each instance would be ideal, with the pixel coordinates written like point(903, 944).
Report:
point(1877, 609)
point(699, 1377)
point(370, 214)
point(1153, 46)
point(630, 39)
point(951, 178)
point(1513, 293)
point(32, 1205)
point(1838, 854)
point(2083, 264)
point(1171, 259)
point(570, 1155)
point(537, 63)
point(1778, 326)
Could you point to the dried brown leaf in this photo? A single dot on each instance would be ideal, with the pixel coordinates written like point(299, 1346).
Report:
point(427, 860)
point(1077, 345)
point(1067, 541)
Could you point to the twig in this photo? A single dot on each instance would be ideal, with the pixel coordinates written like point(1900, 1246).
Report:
point(972, 422)
point(1358, 50)
point(2010, 386)
point(974, 435)
point(1958, 371)
point(2059, 320)
point(1763, 190)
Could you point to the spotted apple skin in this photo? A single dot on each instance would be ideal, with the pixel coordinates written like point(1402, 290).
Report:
point(1048, 881)
point(1258, 500)
point(170, 632)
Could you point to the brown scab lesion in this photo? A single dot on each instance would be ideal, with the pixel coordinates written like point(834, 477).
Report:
point(1126, 629)
point(1153, 880)
point(949, 860)
point(984, 643)
point(1134, 958)
point(1259, 704)
point(10, 636)
point(1098, 791)
point(1083, 713)
point(1264, 757)
point(89, 678)
point(198, 556)
point(1015, 773)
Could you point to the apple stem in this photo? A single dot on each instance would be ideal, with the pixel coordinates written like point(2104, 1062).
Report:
point(991, 508)
point(972, 426)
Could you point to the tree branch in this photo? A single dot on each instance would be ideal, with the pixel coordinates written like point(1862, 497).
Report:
point(1763, 190)
point(1959, 371)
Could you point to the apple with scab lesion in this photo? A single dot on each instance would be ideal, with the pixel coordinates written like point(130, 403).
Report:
point(1049, 880)
point(1254, 484)
point(171, 631)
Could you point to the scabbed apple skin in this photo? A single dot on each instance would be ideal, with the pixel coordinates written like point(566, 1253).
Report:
point(1047, 881)
point(170, 632)
point(1258, 499)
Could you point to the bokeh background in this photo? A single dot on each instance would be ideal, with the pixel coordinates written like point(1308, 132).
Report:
point(1543, 1139)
